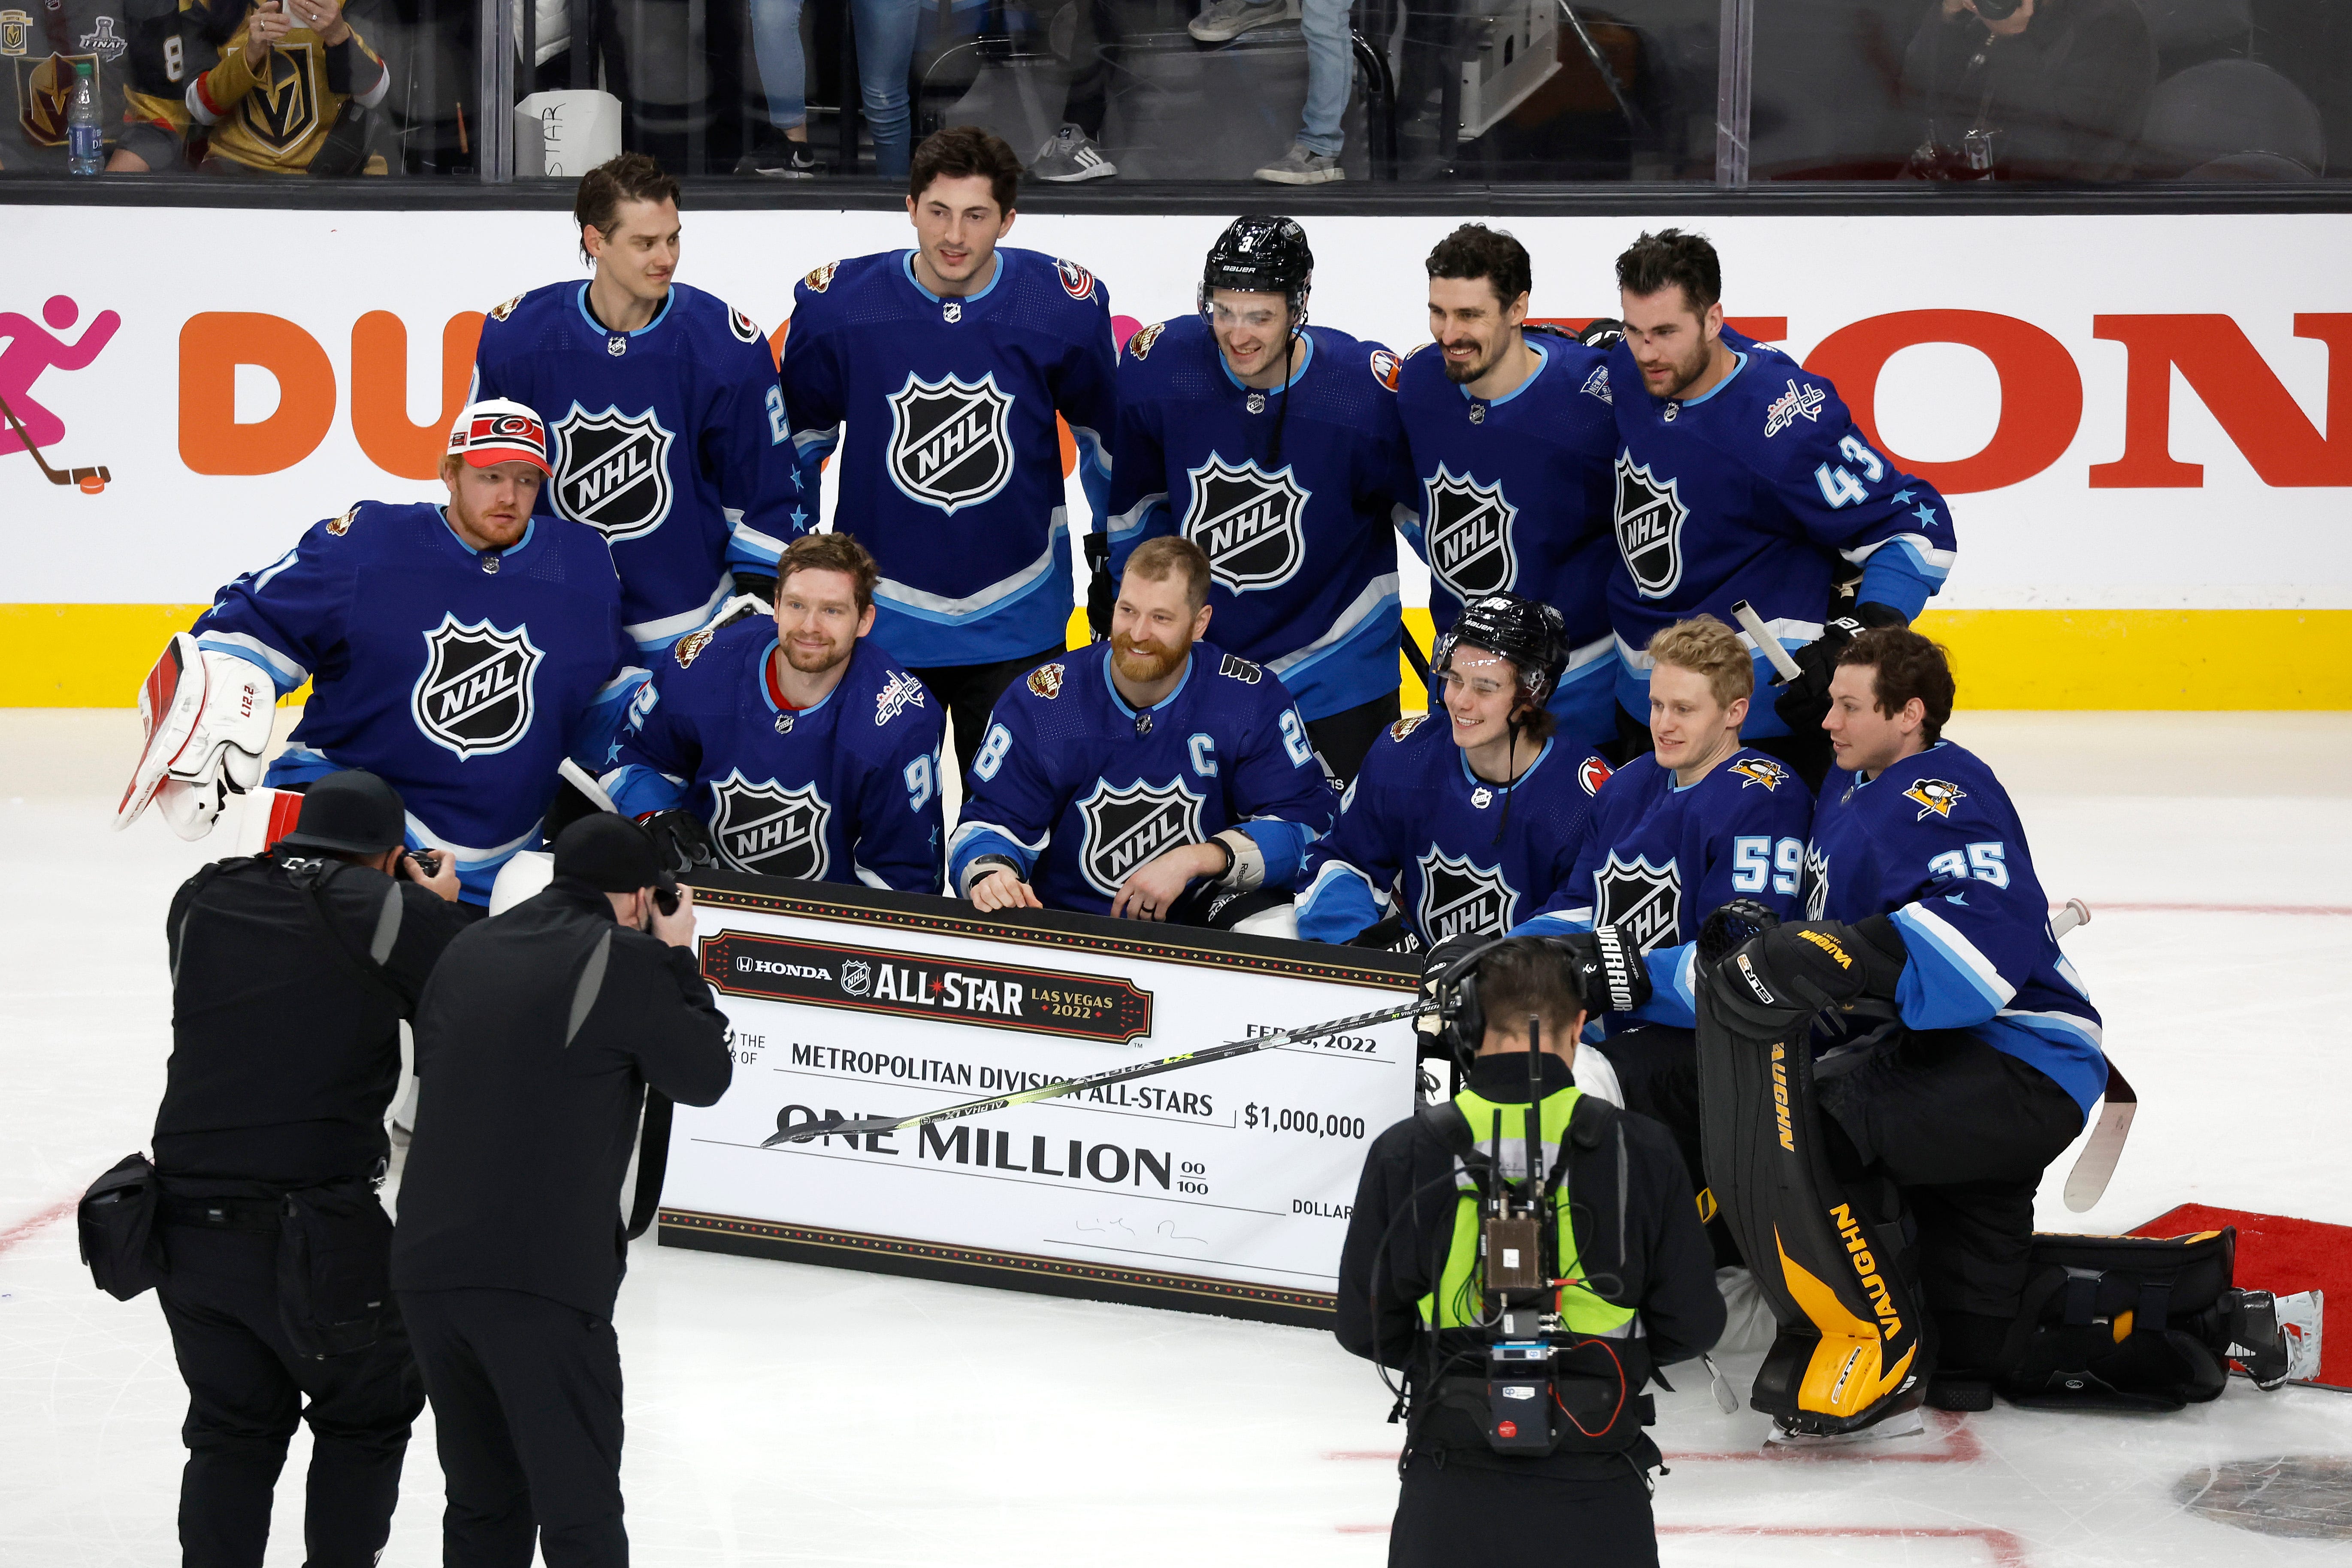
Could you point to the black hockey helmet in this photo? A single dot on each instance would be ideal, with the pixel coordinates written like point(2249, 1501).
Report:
point(1261, 256)
point(1529, 632)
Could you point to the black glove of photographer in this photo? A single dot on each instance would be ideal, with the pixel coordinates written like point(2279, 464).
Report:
point(1772, 986)
point(684, 842)
point(1804, 702)
point(1611, 973)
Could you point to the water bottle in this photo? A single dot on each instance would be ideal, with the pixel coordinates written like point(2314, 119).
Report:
point(85, 139)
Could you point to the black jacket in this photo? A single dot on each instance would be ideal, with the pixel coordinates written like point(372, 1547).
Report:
point(2069, 95)
point(283, 1057)
point(535, 1043)
point(1403, 1221)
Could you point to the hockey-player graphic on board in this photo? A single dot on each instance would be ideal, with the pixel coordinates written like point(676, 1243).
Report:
point(662, 404)
point(1274, 446)
point(792, 746)
point(1740, 475)
point(1513, 444)
point(1473, 814)
point(1144, 776)
point(937, 372)
point(458, 652)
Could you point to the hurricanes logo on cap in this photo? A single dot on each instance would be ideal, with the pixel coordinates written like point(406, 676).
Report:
point(474, 697)
point(1469, 534)
point(1250, 523)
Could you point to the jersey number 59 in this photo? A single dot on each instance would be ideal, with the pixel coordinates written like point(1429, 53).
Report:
point(1756, 861)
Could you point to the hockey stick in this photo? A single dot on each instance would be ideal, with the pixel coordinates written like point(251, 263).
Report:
point(69, 477)
point(1416, 659)
point(575, 776)
point(1766, 643)
point(2087, 1182)
point(827, 1127)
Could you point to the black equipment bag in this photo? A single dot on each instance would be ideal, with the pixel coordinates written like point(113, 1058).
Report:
point(119, 1238)
point(2123, 1322)
point(334, 1268)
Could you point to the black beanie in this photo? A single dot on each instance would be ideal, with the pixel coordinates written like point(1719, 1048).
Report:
point(611, 854)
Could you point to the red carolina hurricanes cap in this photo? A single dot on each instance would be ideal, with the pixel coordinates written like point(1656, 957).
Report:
point(500, 430)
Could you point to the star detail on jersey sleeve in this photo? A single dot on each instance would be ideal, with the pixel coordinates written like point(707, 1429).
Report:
point(1901, 495)
point(1925, 513)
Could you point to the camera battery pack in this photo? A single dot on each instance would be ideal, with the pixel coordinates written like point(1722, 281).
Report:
point(1514, 1255)
point(1518, 1397)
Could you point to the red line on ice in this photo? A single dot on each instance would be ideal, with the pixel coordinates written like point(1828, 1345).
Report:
point(25, 1227)
point(2007, 1550)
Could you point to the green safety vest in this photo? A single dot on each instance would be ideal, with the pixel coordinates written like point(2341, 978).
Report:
point(1581, 1311)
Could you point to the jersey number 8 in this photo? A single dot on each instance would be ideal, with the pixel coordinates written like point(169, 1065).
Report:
point(992, 753)
point(1757, 859)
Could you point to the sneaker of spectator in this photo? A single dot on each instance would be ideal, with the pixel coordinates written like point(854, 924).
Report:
point(1302, 166)
point(779, 157)
point(1229, 20)
point(1070, 155)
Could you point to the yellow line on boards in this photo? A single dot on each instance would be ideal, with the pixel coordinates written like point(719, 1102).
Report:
point(94, 655)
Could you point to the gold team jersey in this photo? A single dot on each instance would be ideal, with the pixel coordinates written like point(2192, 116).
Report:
point(273, 118)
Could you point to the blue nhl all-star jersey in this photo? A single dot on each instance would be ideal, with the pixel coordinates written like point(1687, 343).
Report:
point(459, 676)
point(1760, 490)
point(1516, 493)
point(669, 440)
point(1934, 843)
point(951, 473)
point(1292, 493)
point(1078, 789)
point(1423, 837)
point(847, 791)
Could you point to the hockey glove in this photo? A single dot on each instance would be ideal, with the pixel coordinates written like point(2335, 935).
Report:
point(759, 586)
point(1436, 986)
point(1731, 928)
point(683, 841)
point(1776, 983)
point(1603, 333)
point(206, 718)
point(1389, 935)
point(1102, 591)
point(1611, 973)
point(1804, 702)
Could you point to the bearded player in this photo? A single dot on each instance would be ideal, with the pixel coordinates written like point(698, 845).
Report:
point(794, 747)
point(459, 652)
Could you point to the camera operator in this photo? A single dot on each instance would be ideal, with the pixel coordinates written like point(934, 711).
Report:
point(290, 974)
point(2029, 89)
point(536, 1044)
point(1625, 1285)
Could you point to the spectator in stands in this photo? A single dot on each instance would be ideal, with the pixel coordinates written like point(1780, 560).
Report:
point(1072, 154)
point(1314, 157)
point(167, 45)
point(283, 96)
point(43, 45)
point(2029, 89)
point(886, 52)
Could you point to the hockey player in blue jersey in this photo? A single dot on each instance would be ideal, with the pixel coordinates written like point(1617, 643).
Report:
point(1464, 827)
point(460, 653)
point(1274, 446)
point(668, 423)
point(1513, 443)
point(790, 747)
point(1740, 475)
point(947, 363)
point(1143, 775)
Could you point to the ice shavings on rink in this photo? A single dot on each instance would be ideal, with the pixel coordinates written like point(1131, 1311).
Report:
point(788, 1415)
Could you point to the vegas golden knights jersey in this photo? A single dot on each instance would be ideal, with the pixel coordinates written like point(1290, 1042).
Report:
point(272, 118)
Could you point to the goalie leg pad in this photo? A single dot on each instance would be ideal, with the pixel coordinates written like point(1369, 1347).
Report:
point(1835, 1270)
point(206, 718)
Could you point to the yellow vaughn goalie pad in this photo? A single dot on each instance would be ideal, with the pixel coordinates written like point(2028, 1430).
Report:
point(1832, 1264)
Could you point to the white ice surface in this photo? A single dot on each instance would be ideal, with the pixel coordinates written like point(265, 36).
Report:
point(788, 1415)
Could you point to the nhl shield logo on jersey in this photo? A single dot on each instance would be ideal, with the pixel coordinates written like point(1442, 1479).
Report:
point(776, 832)
point(1937, 795)
point(1649, 528)
point(1139, 346)
point(951, 441)
point(1128, 826)
point(1250, 523)
point(614, 471)
point(1045, 680)
point(1760, 770)
point(474, 697)
point(1643, 901)
point(1458, 899)
point(1076, 282)
point(1469, 535)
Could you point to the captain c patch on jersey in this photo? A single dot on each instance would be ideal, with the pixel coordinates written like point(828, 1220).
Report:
point(1459, 899)
point(950, 440)
point(1128, 826)
point(1643, 901)
point(1469, 534)
point(763, 827)
point(613, 471)
point(1937, 796)
point(1250, 523)
point(474, 697)
point(1650, 518)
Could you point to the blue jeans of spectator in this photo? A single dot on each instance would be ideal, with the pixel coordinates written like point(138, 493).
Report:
point(1330, 75)
point(886, 50)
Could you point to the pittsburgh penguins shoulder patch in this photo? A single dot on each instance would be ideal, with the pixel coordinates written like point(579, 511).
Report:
point(1045, 680)
point(745, 329)
point(1937, 796)
point(1241, 669)
point(1760, 770)
point(821, 279)
point(1407, 725)
point(500, 312)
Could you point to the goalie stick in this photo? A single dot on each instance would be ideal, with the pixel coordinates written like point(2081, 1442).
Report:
point(826, 1127)
point(2087, 1182)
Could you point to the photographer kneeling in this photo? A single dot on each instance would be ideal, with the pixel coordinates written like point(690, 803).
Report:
point(291, 972)
point(1525, 1317)
point(536, 1045)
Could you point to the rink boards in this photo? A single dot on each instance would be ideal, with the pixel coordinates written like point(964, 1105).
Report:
point(1221, 1188)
